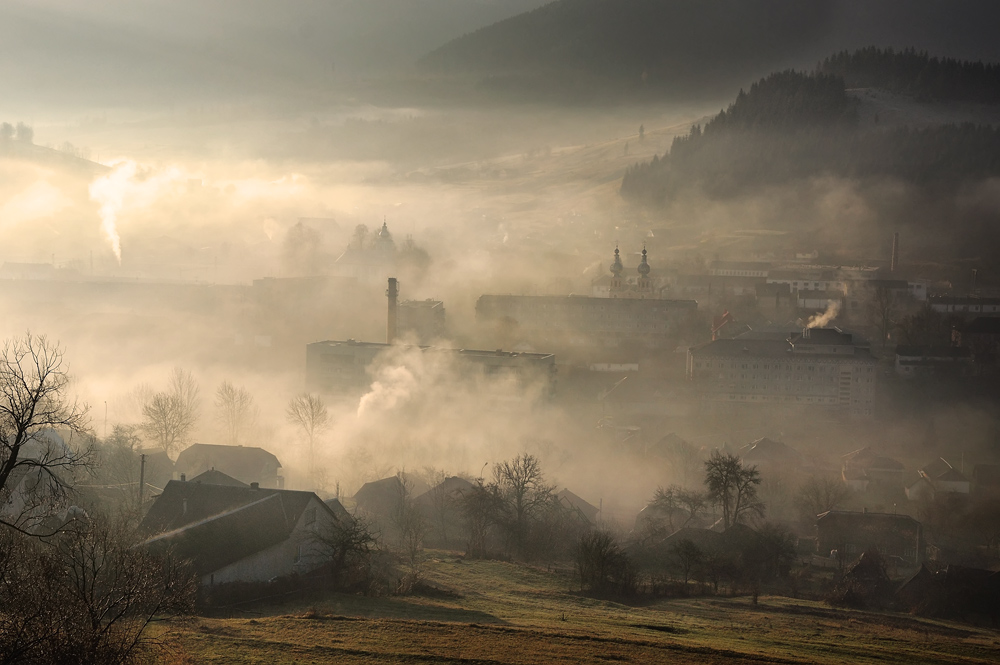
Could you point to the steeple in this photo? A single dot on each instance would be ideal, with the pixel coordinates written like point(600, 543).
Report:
point(645, 286)
point(643, 265)
point(617, 267)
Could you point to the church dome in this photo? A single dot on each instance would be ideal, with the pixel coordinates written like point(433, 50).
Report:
point(617, 267)
point(643, 265)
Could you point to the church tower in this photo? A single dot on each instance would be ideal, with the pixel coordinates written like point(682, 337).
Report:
point(616, 275)
point(645, 286)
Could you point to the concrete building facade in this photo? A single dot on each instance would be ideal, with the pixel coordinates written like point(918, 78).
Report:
point(820, 367)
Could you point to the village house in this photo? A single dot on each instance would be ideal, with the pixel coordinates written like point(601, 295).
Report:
point(938, 477)
point(247, 464)
point(234, 533)
point(864, 470)
point(441, 507)
point(769, 454)
point(845, 535)
point(573, 503)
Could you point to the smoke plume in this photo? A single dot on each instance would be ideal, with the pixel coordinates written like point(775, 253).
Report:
point(109, 191)
point(824, 319)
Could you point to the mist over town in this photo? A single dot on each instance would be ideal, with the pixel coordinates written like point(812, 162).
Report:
point(505, 331)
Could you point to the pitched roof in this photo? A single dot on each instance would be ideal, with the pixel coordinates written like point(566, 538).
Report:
point(216, 525)
point(233, 535)
point(769, 450)
point(184, 503)
point(213, 477)
point(337, 508)
point(245, 463)
point(452, 488)
point(867, 458)
point(572, 501)
point(940, 469)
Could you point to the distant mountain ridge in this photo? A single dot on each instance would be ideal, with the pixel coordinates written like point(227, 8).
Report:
point(125, 51)
point(682, 46)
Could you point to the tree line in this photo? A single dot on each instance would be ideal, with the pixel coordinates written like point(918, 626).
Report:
point(916, 74)
point(794, 125)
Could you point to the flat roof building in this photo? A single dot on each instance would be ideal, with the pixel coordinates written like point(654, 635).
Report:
point(819, 367)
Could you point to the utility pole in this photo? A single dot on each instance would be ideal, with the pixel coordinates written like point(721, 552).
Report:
point(142, 476)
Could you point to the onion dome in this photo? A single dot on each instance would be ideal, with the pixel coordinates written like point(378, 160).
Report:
point(643, 265)
point(617, 267)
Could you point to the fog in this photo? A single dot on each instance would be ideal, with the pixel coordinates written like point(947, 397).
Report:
point(180, 147)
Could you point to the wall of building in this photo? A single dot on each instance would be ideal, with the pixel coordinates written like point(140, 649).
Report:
point(297, 554)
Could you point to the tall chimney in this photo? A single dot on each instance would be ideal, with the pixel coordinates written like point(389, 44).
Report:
point(390, 323)
point(894, 262)
point(975, 275)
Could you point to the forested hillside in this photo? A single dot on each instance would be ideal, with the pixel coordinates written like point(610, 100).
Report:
point(916, 74)
point(791, 126)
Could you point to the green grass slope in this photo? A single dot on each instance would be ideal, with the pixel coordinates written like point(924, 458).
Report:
point(493, 612)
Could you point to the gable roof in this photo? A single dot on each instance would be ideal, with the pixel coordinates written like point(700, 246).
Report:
point(226, 538)
point(245, 463)
point(453, 488)
point(213, 477)
point(185, 503)
point(867, 458)
point(574, 502)
point(769, 450)
point(941, 470)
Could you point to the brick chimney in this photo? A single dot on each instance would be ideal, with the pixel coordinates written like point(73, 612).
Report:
point(390, 323)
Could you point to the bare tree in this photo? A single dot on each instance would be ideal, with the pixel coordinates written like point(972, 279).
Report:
point(818, 495)
point(686, 557)
point(407, 520)
point(523, 494)
point(236, 413)
point(882, 311)
point(170, 416)
point(349, 545)
point(308, 413)
point(733, 487)
point(678, 502)
point(36, 465)
point(86, 596)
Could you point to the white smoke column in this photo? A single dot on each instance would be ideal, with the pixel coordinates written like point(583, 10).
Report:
point(109, 191)
point(824, 319)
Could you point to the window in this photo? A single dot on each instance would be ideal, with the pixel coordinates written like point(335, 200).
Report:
point(310, 516)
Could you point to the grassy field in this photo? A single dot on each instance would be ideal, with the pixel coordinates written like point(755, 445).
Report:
point(493, 612)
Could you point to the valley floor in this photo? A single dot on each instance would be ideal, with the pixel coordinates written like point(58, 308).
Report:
point(494, 612)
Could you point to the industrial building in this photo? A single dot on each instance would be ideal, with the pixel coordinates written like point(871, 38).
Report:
point(582, 320)
point(342, 366)
point(819, 367)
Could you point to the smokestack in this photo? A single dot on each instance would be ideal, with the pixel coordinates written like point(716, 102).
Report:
point(894, 262)
point(975, 274)
point(390, 323)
